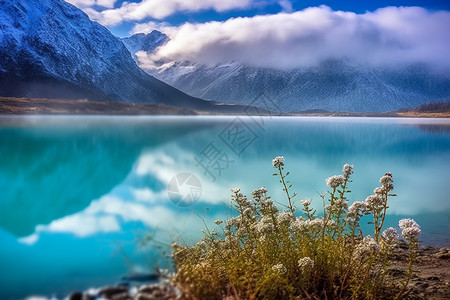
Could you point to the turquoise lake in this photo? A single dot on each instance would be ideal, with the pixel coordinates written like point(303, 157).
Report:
point(79, 196)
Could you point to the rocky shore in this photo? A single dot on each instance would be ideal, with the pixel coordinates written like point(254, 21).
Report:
point(430, 282)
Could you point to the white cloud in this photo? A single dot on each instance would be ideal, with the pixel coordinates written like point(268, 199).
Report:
point(90, 3)
point(29, 240)
point(159, 9)
point(82, 225)
point(390, 36)
point(145, 195)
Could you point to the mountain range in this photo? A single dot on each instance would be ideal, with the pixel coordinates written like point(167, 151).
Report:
point(331, 86)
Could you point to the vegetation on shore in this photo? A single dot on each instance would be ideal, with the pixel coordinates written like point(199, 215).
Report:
point(268, 253)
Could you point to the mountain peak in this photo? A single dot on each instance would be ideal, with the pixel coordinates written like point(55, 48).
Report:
point(145, 42)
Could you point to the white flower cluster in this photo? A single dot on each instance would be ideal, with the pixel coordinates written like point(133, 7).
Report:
point(280, 268)
point(242, 201)
point(284, 218)
point(340, 204)
point(235, 190)
point(306, 263)
point(390, 236)
point(201, 245)
point(268, 208)
point(347, 170)
point(366, 247)
point(374, 203)
point(234, 222)
point(303, 225)
point(278, 161)
point(306, 202)
point(247, 213)
point(379, 190)
point(356, 211)
point(335, 181)
point(264, 226)
point(260, 193)
point(410, 229)
point(387, 182)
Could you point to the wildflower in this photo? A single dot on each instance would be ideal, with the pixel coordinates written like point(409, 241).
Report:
point(411, 233)
point(366, 247)
point(306, 202)
point(337, 206)
point(234, 222)
point(242, 201)
point(347, 170)
point(335, 181)
point(218, 222)
point(331, 224)
point(280, 268)
point(387, 182)
point(278, 161)
point(374, 202)
point(340, 204)
point(390, 235)
point(410, 229)
point(264, 226)
point(201, 245)
point(284, 217)
point(235, 190)
point(248, 213)
point(355, 212)
point(379, 190)
point(258, 193)
point(303, 225)
point(306, 263)
point(268, 208)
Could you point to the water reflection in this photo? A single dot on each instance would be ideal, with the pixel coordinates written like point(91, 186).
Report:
point(76, 192)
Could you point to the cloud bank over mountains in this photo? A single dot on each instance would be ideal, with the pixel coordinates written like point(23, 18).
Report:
point(387, 37)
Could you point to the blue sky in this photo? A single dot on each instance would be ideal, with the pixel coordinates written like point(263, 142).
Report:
point(284, 33)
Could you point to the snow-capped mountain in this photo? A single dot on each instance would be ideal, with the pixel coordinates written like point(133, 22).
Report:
point(50, 48)
point(144, 42)
point(332, 86)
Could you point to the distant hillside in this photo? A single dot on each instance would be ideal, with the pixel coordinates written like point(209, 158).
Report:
point(434, 107)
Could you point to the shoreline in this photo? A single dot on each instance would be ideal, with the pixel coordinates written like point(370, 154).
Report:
point(42, 106)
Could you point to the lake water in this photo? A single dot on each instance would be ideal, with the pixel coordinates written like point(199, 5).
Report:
point(79, 195)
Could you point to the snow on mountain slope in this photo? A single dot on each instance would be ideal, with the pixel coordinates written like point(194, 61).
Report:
point(49, 48)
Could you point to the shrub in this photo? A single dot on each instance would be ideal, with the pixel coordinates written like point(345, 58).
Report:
point(270, 253)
